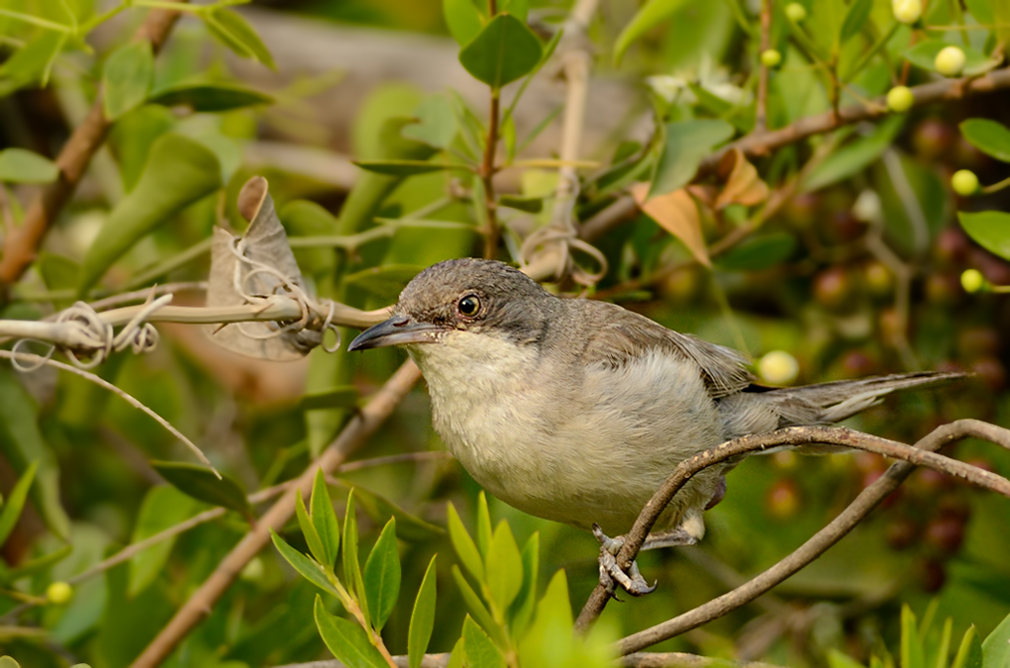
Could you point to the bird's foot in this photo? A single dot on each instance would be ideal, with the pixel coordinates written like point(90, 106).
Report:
point(611, 574)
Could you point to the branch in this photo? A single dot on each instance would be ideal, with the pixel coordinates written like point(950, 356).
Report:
point(357, 431)
point(761, 113)
point(636, 660)
point(22, 243)
point(920, 455)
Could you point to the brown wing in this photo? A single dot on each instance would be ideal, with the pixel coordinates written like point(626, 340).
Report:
point(622, 336)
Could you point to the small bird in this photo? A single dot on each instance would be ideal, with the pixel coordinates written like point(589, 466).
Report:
point(577, 410)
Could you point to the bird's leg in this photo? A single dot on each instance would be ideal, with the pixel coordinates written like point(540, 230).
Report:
point(632, 582)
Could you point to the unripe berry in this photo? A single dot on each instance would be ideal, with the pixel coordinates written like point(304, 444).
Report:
point(964, 182)
point(972, 280)
point(796, 12)
point(900, 99)
point(950, 61)
point(778, 367)
point(783, 500)
point(907, 11)
point(771, 58)
point(59, 593)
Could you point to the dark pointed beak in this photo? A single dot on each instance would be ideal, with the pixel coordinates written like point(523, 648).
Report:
point(396, 331)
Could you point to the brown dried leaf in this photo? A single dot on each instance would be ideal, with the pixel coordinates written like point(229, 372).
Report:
point(677, 213)
point(250, 198)
point(743, 185)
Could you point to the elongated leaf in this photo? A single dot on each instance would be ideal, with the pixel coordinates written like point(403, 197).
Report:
point(504, 567)
point(344, 396)
point(126, 78)
point(969, 654)
point(855, 18)
point(325, 519)
point(996, 647)
point(527, 204)
point(309, 532)
point(200, 483)
point(854, 157)
point(407, 167)
point(385, 281)
point(687, 142)
point(347, 640)
point(464, 19)
point(178, 172)
point(990, 229)
point(15, 503)
point(988, 136)
point(422, 619)
point(483, 527)
point(37, 565)
point(911, 647)
point(209, 96)
point(649, 16)
point(18, 165)
point(32, 62)
point(525, 603)
point(480, 651)
point(504, 50)
point(465, 548)
point(238, 35)
point(307, 568)
point(380, 509)
point(163, 507)
point(382, 575)
point(923, 54)
point(943, 651)
point(837, 659)
point(352, 567)
point(757, 253)
point(477, 608)
point(436, 124)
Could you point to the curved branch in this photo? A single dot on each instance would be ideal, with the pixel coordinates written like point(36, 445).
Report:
point(920, 455)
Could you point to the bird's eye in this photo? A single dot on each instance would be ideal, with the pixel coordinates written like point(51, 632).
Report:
point(469, 305)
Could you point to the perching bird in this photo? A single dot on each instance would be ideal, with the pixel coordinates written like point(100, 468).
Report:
point(577, 410)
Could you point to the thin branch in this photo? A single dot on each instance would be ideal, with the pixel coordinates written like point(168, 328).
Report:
point(487, 172)
point(636, 660)
point(761, 113)
point(22, 244)
point(921, 455)
point(357, 431)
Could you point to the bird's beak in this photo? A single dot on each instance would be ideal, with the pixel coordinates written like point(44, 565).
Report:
point(396, 331)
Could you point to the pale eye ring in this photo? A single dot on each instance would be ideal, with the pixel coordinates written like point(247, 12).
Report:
point(468, 306)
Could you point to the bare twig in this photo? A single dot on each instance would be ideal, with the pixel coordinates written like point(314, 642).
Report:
point(357, 431)
point(487, 172)
point(761, 113)
point(636, 660)
point(921, 455)
point(21, 245)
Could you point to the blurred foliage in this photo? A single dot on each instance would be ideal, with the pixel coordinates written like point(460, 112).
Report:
point(842, 254)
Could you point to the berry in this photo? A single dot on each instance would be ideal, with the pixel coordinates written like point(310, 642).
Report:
point(778, 368)
point(59, 593)
point(907, 11)
point(783, 500)
point(972, 280)
point(771, 58)
point(878, 278)
point(950, 61)
point(901, 533)
point(900, 99)
point(946, 533)
point(932, 138)
point(796, 12)
point(964, 182)
point(833, 287)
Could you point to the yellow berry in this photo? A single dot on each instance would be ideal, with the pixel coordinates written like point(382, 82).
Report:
point(907, 11)
point(900, 99)
point(771, 58)
point(972, 280)
point(950, 61)
point(59, 593)
point(796, 12)
point(964, 182)
point(778, 368)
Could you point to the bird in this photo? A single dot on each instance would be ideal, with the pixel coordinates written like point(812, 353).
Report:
point(577, 410)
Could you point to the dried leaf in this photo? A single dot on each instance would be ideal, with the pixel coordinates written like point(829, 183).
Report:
point(743, 185)
point(678, 214)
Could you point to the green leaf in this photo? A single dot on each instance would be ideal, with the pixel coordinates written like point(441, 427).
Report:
point(687, 143)
point(18, 165)
point(854, 157)
point(990, 137)
point(235, 32)
point(16, 502)
point(527, 204)
point(200, 483)
point(525, 603)
point(855, 18)
point(347, 640)
point(31, 63)
point(504, 567)
point(912, 655)
point(649, 16)
point(457, 656)
point(345, 396)
point(352, 567)
point(464, 19)
point(164, 506)
point(477, 608)
point(407, 167)
point(385, 281)
point(943, 651)
point(465, 548)
point(981, 11)
point(435, 123)
point(305, 567)
point(178, 172)
point(996, 647)
point(757, 253)
point(37, 565)
point(503, 51)
point(480, 651)
point(311, 535)
point(923, 54)
point(422, 619)
point(838, 660)
point(324, 518)
point(969, 654)
point(209, 96)
point(990, 229)
point(483, 526)
point(380, 509)
point(382, 576)
point(126, 78)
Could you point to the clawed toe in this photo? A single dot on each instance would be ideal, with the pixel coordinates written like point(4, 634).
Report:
point(611, 574)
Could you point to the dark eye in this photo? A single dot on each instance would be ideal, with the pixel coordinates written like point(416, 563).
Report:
point(469, 305)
